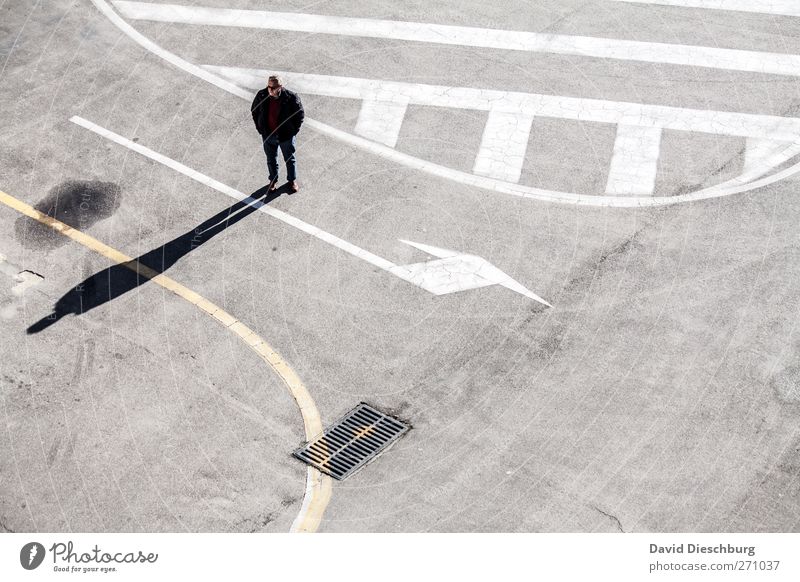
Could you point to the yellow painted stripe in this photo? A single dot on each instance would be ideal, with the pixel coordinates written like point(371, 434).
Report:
point(319, 486)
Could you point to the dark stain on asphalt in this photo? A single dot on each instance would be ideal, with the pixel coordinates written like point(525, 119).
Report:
point(786, 385)
point(51, 456)
point(4, 527)
point(604, 263)
point(78, 203)
point(254, 524)
point(686, 189)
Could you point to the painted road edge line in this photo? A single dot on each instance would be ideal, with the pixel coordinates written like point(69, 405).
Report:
point(318, 486)
point(728, 188)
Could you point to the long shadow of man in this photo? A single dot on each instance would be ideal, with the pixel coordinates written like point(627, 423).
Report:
point(116, 280)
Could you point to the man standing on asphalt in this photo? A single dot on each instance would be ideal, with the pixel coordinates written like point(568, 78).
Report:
point(278, 115)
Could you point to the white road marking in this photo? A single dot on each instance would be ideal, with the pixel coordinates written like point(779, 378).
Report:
point(528, 104)
point(456, 271)
point(606, 48)
point(776, 7)
point(503, 146)
point(636, 149)
point(464, 273)
point(380, 120)
point(735, 186)
point(236, 194)
point(731, 187)
point(758, 150)
point(635, 161)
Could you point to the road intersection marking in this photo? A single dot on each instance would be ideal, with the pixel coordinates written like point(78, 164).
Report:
point(779, 150)
point(318, 486)
point(453, 271)
point(636, 148)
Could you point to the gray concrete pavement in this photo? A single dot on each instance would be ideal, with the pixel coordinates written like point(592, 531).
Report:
point(659, 394)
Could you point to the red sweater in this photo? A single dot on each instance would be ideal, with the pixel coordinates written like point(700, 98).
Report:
point(273, 109)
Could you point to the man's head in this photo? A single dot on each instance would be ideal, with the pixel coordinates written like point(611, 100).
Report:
point(274, 86)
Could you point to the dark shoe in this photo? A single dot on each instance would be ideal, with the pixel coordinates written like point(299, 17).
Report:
point(273, 185)
point(293, 186)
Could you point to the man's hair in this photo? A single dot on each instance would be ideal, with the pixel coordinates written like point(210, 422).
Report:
point(275, 78)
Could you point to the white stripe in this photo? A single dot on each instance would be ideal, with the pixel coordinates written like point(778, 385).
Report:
point(461, 272)
point(758, 151)
point(728, 188)
point(635, 160)
point(237, 195)
point(503, 146)
point(776, 7)
point(529, 104)
point(456, 271)
point(736, 185)
point(380, 120)
point(607, 48)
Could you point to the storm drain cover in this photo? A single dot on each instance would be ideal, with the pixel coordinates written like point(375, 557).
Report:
point(353, 441)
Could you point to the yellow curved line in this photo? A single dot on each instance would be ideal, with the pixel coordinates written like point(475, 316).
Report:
point(319, 486)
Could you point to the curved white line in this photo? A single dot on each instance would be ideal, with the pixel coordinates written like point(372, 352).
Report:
point(734, 186)
point(762, 167)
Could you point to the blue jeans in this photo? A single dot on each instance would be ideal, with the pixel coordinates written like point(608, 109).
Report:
point(271, 145)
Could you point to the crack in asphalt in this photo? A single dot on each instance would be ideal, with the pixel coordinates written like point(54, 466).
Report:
point(612, 517)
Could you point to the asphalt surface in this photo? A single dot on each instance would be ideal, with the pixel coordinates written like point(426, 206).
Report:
point(660, 393)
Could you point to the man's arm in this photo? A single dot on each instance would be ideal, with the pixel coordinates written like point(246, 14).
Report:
point(255, 109)
point(300, 115)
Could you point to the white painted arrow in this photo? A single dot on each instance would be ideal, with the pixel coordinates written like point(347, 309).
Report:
point(455, 271)
point(451, 272)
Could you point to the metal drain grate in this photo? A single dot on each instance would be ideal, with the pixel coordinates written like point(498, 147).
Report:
point(353, 441)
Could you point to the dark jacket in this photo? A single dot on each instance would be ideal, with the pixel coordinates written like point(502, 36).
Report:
point(290, 117)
